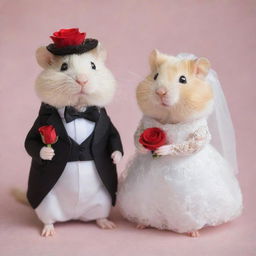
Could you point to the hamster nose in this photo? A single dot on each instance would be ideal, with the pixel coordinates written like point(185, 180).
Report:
point(81, 79)
point(161, 91)
point(81, 82)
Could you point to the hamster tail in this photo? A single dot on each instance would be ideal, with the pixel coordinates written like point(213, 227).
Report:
point(19, 196)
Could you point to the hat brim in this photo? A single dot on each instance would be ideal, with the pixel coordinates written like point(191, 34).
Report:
point(86, 46)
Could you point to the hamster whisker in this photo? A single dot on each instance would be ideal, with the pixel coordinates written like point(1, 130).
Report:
point(135, 74)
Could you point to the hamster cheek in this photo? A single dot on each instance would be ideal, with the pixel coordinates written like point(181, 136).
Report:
point(57, 93)
point(144, 93)
point(89, 89)
point(196, 96)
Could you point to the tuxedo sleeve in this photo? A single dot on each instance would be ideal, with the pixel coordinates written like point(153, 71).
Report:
point(115, 140)
point(33, 142)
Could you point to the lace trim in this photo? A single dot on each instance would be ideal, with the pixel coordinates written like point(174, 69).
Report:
point(195, 142)
point(137, 134)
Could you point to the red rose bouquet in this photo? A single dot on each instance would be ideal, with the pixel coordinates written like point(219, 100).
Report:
point(48, 134)
point(152, 139)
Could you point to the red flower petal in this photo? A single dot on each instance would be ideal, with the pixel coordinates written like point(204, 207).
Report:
point(68, 37)
point(153, 138)
point(48, 134)
point(69, 31)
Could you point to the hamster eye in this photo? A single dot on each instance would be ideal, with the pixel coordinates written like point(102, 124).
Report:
point(156, 75)
point(93, 65)
point(64, 66)
point(182, 80)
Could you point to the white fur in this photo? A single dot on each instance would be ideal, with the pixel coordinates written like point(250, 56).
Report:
point(59, 88)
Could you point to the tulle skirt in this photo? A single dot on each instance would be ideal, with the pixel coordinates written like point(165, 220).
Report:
point(182, 194)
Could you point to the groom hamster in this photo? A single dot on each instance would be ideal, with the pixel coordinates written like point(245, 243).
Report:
point(75, 189)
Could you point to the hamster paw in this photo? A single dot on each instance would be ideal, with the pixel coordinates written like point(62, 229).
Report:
point(105, 224)
point(141, 226)
point(48, 230)
point(116, 156)
point(46, 153)
point(164, 150)
point(141, 149)
point(194, 233)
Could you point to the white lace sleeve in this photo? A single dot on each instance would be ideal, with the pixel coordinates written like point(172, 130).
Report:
point(137, 134)
point(196, 141)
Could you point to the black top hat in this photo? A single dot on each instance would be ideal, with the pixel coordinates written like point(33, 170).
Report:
point(70, 41)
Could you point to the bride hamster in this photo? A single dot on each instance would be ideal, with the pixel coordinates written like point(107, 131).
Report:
point(191, 184)
point(75, 178)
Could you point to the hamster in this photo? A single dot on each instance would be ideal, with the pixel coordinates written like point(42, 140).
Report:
point(168, 102)
point(75, 178)
point(86, 82)
point(190, 185)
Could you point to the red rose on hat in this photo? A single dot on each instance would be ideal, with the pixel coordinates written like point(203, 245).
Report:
point(153, 138)
point(48, 134)
point(68, 37)
point(70, 41)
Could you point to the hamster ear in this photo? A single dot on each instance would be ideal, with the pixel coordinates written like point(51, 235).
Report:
point(44, 57)
point(201, 67)
point(100, 52)
point(156, 59)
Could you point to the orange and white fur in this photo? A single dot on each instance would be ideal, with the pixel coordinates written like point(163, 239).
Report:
point(191, 185)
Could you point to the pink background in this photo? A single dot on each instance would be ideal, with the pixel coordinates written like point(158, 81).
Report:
point(223, 31)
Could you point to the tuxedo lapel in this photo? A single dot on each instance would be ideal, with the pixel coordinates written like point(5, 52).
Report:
point(55, 120)
point(42, 181)
point(100, 127)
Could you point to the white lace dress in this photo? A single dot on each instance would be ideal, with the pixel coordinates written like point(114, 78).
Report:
point(185, 191)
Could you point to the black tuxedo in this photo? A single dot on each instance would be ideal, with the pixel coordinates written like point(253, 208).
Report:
point(44, 174)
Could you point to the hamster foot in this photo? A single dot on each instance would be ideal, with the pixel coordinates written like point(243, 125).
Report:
point(105, 223)
point(48, 230)
point(194, 233)
point(141, 226)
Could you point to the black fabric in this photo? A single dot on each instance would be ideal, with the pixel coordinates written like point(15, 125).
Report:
point(81, 152)
point(44, 174)
point(86, 46)
point(91, 114)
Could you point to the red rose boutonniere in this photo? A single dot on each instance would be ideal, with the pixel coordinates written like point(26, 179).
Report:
point(48, 134)
point(152, 139)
